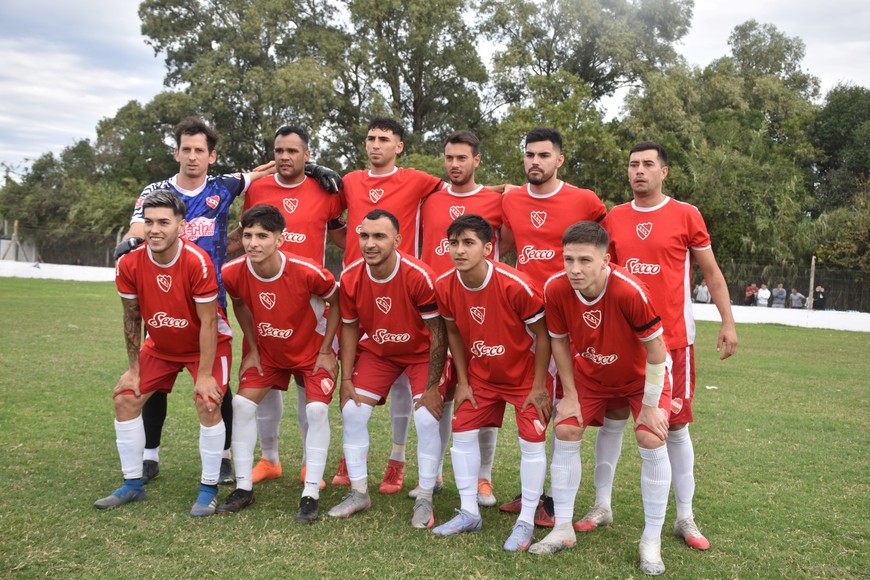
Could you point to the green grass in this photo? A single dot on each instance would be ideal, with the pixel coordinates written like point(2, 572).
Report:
point(781, 445)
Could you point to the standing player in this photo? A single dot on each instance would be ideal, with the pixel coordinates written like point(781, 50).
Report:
point(172, 285)
point(279, 300)
point(619, 357)
point(463, 197)
point(537, 214)
point(656, 238)
point(399, 191)
point(494, 314)
point(208, 200)
point(311, 214)
point(391, 326)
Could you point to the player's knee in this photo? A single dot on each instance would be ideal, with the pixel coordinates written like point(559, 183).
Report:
point(568, 432)
point(127, 407)
point(354, 416)
point(244, 408)
point(424, 419)
point(316, 412)
point(647, 440)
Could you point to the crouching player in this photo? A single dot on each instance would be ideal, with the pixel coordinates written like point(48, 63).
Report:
point(172, 285)
point(279, 299)
point(619, 358)
point(391, 325)
point(493, 313)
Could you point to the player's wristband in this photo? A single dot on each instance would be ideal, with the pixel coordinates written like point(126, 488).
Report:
point(654, 384)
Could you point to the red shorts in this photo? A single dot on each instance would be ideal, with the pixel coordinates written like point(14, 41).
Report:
point(373, 376)
point(490, 413)
point(157, 374)
point(318, 387)
point(595, 401)
point(683, 380)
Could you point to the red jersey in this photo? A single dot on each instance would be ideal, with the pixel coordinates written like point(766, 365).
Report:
point(608, 331)
point(441, 208)
point(654, 244)
point(308, 210)
point(539, 220)
point(399, 192)
point(391, 312)
point(287, 309)
point(492, 320)
point(167, 295)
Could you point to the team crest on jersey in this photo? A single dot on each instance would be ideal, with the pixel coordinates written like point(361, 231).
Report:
point(267, 299)
point(478, 313)
point(676, 406)
point(538, 218)
point(164, 281)
point(290, 204)
point(213, 201)
point(376, 194)
point(592, 318)
point(456, 211)
point(326, 385)
point(643, 230)
point(384, 304)
point(539, 427)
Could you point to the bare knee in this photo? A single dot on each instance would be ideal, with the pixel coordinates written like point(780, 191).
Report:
point(646, 440)
point(568, 432)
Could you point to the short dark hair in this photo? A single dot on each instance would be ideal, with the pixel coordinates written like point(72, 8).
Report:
point(545, 134)
point(195, 126)
point(165, 198)
point(587, 232)
point(651, 145)
point(466, 137)
point(285, 130)
point(266, 216)
point(387, 124)
point(377, 214)
point(473, 223)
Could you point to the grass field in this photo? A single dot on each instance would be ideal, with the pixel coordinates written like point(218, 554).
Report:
point(783, 477)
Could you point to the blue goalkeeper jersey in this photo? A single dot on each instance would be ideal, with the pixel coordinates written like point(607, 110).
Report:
point(208, 210)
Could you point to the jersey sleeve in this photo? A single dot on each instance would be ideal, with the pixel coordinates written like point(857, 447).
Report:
point(639, 311)
point(556, 324)
point(138, 215)
point(611, 248)
point(423, 291)
point(203, 278)
point(443, 297)
point(347, 301)
point(526, 301)
point(230, 276)
point(699, 237)
point(236, 183)
point(321, 282)
point(336, 214)
point(124, 278)
point(427, 184)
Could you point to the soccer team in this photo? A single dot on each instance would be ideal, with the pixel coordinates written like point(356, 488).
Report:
point(592, 325)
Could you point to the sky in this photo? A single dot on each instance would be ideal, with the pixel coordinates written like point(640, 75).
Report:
point(67, 65)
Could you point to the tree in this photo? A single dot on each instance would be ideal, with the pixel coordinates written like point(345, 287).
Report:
point(607, 44)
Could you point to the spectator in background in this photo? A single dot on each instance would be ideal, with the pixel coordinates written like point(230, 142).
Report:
point(751, 294)
point(702, 293)
point(779, 296)
point(796, 299)
point(763, 297)
point(819, 298)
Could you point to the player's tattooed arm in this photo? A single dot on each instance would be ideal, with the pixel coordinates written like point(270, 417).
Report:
point(129, 381)
point(132, 329)
point(234, 241)
point(431, 398)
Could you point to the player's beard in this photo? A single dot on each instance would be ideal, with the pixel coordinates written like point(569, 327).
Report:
point(538, 179)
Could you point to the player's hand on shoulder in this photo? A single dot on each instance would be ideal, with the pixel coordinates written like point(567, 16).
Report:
point(326, 177)
point(268, 168)
point(125, 246)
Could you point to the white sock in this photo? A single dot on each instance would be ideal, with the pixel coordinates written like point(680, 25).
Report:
point(681, 453)
point(533, 470)
point(355, 422)
point(151, 454)
point(269, 414)
point(130, 439)
point(401, 407)
point(565, 472)
point(655, 483)
point(211, 449)
point(428, 447)
point(445, 428)
point(466, 467)
point(244, 440)
point(302, 417)
point(317, 446)
point(488, 440)
point(608, 446)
